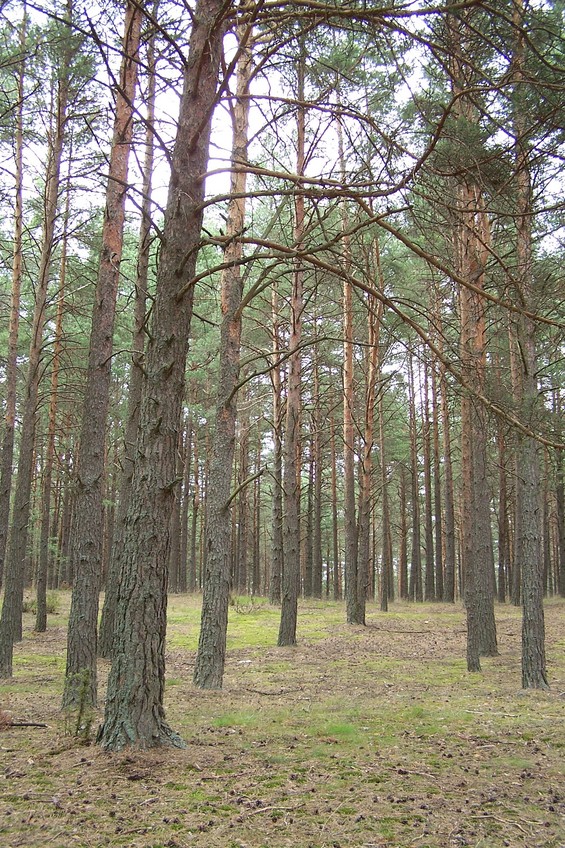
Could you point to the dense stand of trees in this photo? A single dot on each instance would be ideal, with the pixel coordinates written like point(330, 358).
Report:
point(328, 361)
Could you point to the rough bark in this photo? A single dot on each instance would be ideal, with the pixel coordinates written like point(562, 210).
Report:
point(87, 526)
point(471, 239)
point(134, 714)
point(529, 519)
point(210, 658)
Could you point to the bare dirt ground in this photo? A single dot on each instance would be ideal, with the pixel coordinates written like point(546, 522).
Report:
point(362, 737)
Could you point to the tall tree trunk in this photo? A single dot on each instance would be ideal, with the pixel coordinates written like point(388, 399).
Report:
point(193, 571)
point(528, 487)
point(275, 575)
point(429, 590)
point(210, 658)
point(387, 589)
point(86, 529)
point(174, 530)
point(365, 567)
point(503, 527)
point(336, 570)
point(307, 540)
point(317, 565)
point(11, 617)
point(292, 440)
point(183, 556)
point(355, 578)
point(134, 714)
point(415, 590)
point(44, 552)
point(242, 506)
point(438, 515)
point(471, 238)
point(560, 508)
point(106, 630)
point(450, 570)
point(13, 330)
point(403, 590)
point(256, 534)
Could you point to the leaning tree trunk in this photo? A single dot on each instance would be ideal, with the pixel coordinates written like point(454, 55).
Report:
point(87, 526)
point(210, 658)
point(134, 714)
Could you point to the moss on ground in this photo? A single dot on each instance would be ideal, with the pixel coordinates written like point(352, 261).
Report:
point(356, 738)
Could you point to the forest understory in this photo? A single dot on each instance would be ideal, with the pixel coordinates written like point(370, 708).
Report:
point(360, 737)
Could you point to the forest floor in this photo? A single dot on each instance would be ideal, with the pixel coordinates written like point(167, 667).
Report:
point(356, 738)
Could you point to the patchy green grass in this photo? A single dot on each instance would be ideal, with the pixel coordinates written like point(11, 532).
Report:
point(361, 737)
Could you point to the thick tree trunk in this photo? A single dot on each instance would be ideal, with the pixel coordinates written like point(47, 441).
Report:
point(471, 239)
point(210, 658)
point(86, 529)
point(106, 630)
point(134, 713)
